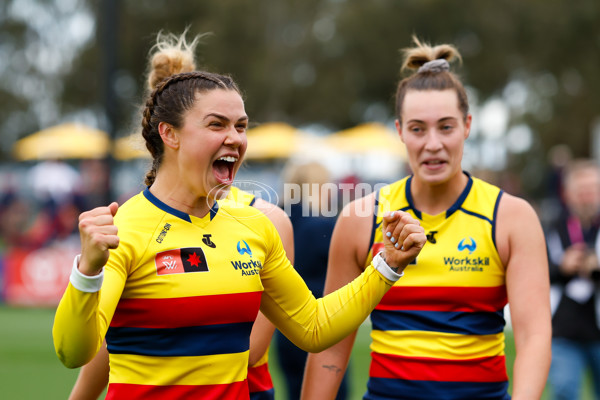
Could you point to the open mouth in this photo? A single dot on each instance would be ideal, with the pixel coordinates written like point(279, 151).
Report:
point(223, 169)
point(434, 163)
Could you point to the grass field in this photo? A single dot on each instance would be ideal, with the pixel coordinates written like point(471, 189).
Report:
point(29, 369)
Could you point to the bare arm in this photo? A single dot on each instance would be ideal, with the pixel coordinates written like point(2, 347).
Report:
point(522, 248)
point(92, 378)
point(347, 253)
point(263, 329)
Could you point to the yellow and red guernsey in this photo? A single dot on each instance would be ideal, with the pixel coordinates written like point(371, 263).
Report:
point(438, 333)
point(179, 297)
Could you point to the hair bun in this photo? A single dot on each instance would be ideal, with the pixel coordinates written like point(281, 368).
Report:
point(435, 66)
point(171, 55)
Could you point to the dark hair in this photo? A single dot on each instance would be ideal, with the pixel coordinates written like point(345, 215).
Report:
point(174, 85)
point(430, 78)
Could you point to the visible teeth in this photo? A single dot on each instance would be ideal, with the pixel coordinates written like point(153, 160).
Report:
point(228, 159)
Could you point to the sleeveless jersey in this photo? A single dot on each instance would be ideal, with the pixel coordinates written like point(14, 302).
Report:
point(260, 383)
point(180, 295)
point(438, 333)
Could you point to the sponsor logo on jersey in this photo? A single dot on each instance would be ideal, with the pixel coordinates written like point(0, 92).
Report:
point(163, 233)
point(178, 261)
point(206, 240)
point(431, 237)
point(465, 245)
point(248, 268)
point(468, 263)
point(243, 248)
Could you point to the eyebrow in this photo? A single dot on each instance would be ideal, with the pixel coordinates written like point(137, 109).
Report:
point(439, 120)
point(224, 118)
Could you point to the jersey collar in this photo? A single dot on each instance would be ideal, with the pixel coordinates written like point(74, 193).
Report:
point(454, 207)
point(179, 214)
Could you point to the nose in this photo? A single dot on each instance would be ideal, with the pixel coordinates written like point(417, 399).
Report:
point(433, 142)
point(235, 138)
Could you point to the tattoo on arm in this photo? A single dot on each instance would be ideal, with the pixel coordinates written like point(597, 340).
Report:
point(333, 368)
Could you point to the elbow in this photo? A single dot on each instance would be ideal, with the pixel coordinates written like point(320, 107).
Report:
point(314, 347)
point(68, 362)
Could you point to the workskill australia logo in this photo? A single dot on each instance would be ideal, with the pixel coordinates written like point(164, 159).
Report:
point(467, 263)
point(469, 245)
point(247, 268)
point(179, 261)
point(243, 248)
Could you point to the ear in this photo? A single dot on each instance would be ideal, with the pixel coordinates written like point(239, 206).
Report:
point(468, 125)
point(168, 135)
point(399, 129)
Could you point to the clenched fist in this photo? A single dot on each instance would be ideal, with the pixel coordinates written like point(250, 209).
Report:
point(403, 239)
point(98, 234)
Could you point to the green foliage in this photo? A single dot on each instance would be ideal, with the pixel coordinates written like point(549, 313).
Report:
point(332, 62)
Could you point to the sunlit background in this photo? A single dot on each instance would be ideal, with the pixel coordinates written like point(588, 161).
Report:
point(318, 78)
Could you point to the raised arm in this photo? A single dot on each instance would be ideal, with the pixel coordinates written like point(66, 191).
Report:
point(313, 325)
point(347, 254)
point(263, 329)
point(76, 332)
point(522, 248)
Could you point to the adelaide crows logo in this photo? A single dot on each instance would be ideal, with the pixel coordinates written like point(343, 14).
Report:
point(463, 245)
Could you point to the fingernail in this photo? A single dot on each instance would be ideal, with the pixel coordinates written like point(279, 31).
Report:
point(393, 240)
point(396, 245)
point(393, 213)
point(388, 234)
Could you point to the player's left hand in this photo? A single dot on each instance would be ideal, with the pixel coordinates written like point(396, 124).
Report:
point(403, 239)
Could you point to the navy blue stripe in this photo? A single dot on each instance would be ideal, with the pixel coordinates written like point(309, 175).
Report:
point(179, 214)
point(214, 210)
point(184, 341)
point(496, 206)
point(264, 395)
point(409, 198)
point(154, 200)
point(375, 226)
point(476, 215)
point(252, 202)
point(399, 389)
point(464, 323)
point(461, 199)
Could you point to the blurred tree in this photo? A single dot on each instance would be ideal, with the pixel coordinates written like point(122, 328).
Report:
point(330, 62)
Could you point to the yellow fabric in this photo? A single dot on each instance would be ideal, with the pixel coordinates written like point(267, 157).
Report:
point(447, 345)
point(82, 319)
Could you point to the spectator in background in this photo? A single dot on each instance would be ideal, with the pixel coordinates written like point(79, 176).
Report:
point(309, 206)
point(53, 180)
point(574, 274)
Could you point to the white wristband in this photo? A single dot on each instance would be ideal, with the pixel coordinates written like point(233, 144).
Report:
point(85, 283)
point(385, 270)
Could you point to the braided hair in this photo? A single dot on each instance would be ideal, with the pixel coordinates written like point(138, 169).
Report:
point(174, 84)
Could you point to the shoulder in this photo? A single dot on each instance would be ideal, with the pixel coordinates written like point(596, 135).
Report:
point(512, 207)
point(354, 225)
point(517, 224)
point(274, 213)
point(360, 209)
point(137, 211)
